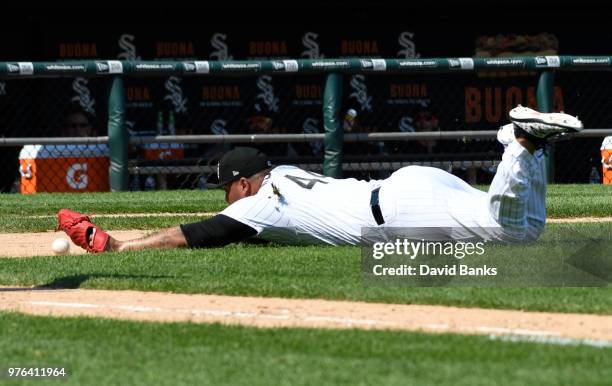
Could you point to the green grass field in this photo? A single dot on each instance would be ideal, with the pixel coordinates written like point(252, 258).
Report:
point(110, 352)
point(105, 352)
point(280, 271)
point(17, 211)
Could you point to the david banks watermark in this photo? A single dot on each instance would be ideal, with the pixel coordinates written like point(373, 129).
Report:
point(412, 250)
point(473, 258)
point(425, 269)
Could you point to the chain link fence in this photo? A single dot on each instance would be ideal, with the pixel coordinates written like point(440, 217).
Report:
point(218, 106)
point(418, 103)
point(580, 160)
point(54, 108)
point(265, 104)
point(424, 103)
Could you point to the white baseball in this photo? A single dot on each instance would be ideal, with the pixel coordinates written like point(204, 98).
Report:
point(60, 246)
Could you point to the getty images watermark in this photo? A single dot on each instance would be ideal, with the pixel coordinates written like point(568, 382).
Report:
point(412, 250)
point(460, 257)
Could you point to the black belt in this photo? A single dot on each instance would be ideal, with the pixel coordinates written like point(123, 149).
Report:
point(376, 212)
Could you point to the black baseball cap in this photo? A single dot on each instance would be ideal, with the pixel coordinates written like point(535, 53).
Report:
point(241, 162)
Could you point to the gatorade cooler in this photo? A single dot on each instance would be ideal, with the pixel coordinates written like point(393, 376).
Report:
point(63, 168)
point(606, 160)
point(157, 151)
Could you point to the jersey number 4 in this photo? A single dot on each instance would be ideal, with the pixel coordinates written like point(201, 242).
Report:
point(306, 183)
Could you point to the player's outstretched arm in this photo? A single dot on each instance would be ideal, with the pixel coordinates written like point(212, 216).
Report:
point(167, 238)
point(217, 231)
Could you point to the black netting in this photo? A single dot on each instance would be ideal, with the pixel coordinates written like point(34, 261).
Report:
point(54, 108)
point(585, 94)
point(187, 106)
point(70, 107)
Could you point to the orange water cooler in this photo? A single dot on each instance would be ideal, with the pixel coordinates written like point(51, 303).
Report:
point(606, 160)
point(63, 168)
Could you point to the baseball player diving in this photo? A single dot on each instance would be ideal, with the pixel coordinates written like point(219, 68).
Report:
point(286, 204)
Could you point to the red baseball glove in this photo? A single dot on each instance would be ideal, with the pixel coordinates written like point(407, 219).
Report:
point(78, 227)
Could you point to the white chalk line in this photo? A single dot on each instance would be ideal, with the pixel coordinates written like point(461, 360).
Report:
point(517, 331)
point(555, 340)
point(208, 312)
point(495, 333)
point(62, 304)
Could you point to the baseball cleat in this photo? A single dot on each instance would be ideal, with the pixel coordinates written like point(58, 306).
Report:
point(82, 231)
point(544, 125)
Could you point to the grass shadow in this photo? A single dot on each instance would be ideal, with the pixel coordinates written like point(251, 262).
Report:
point(75, 281)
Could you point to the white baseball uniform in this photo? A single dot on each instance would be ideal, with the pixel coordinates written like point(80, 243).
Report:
point(296, 206)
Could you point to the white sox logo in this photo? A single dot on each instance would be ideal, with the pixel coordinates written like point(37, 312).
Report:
point(264, 84)
point(409, 48)
point(175, 94)
point(218, 43)
point(76, 176)
point(405, 124)
point(218, 127)
point(83, 95)
point(129, 49)
point(309, 40)
point(2, 88)
point(360, 92)
point(311, 126)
